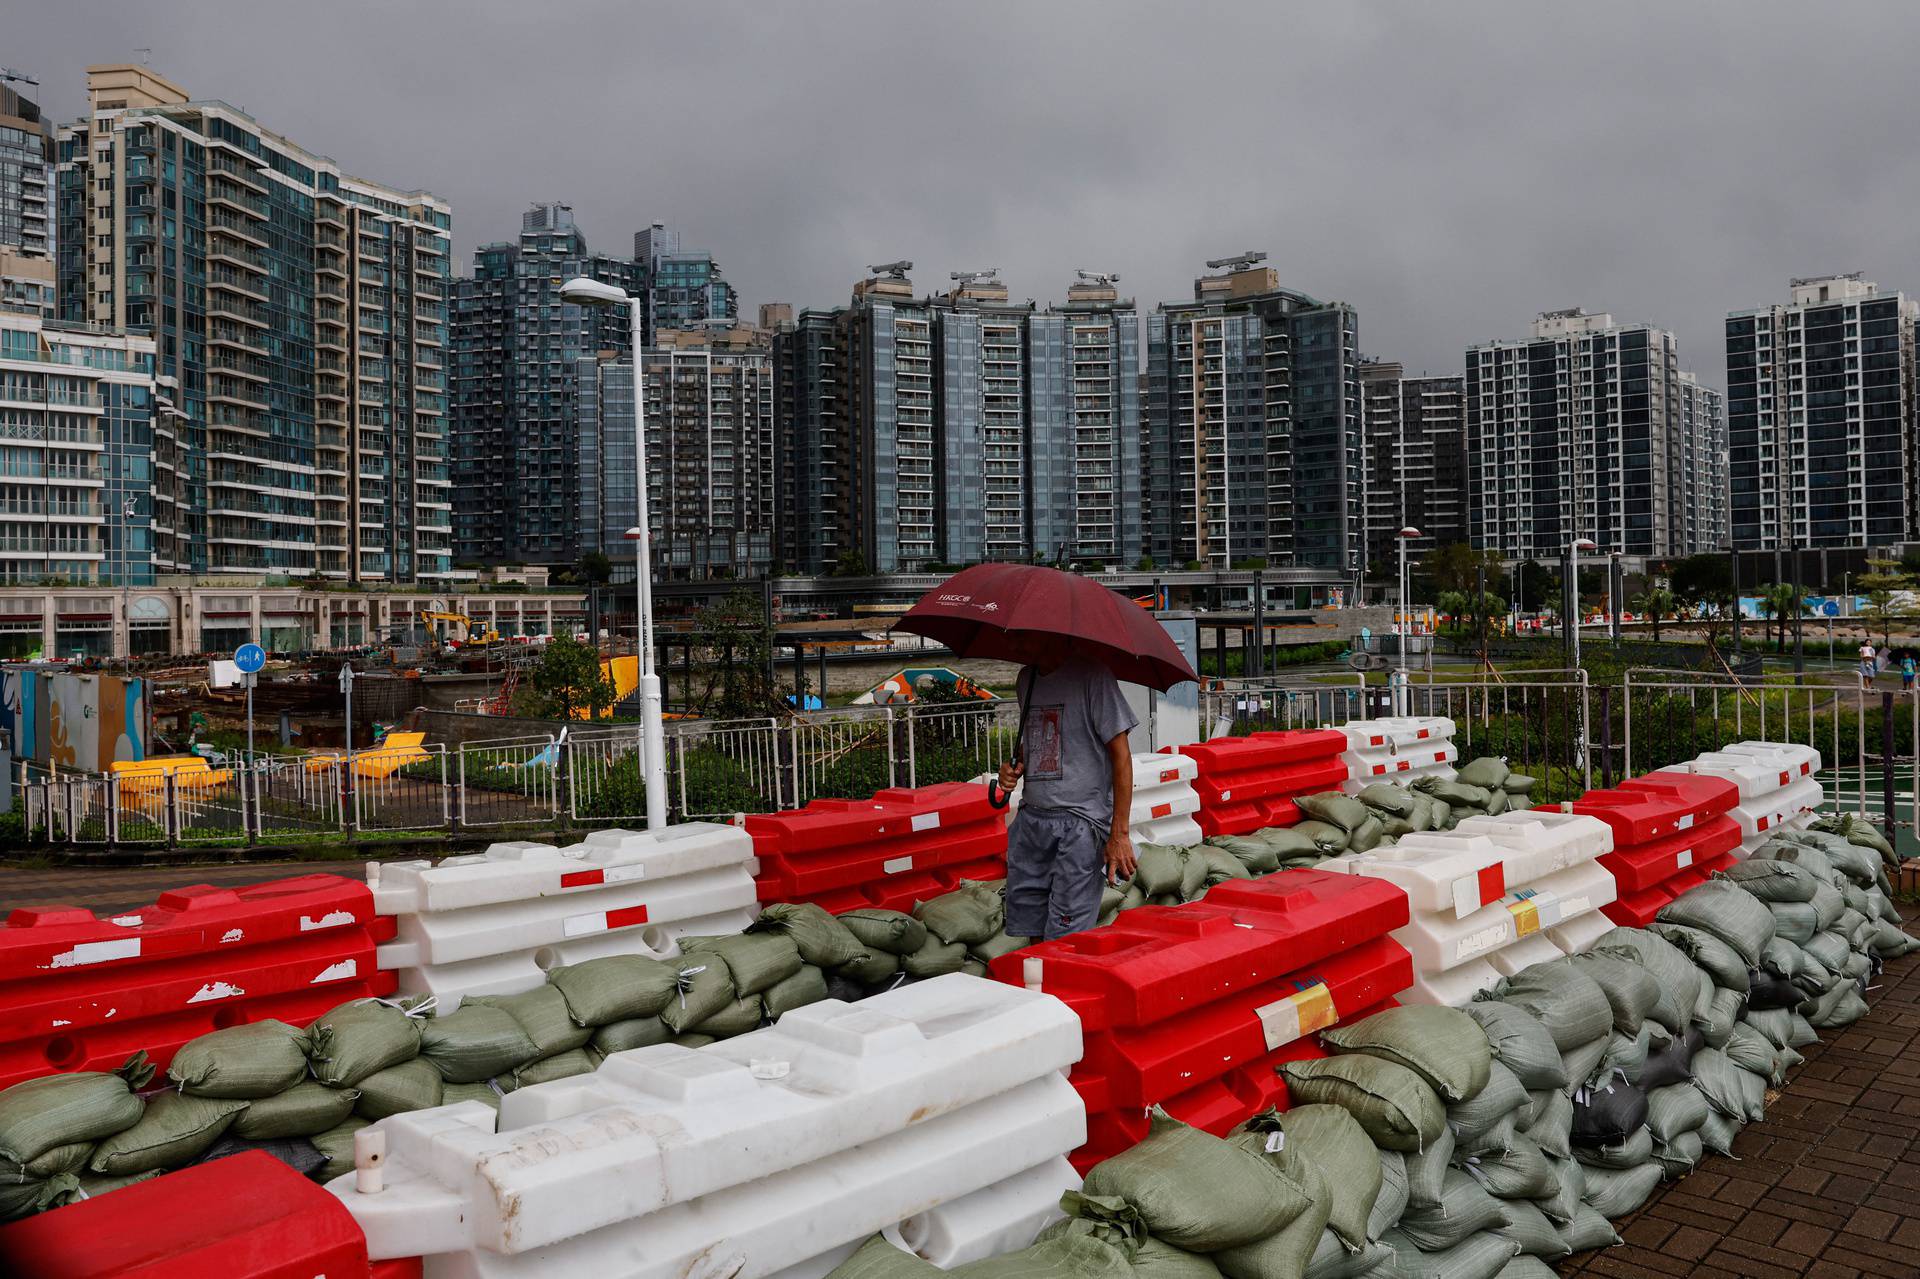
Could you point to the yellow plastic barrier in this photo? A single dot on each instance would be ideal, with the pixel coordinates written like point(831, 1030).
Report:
point(392, 755)
point(190, 772)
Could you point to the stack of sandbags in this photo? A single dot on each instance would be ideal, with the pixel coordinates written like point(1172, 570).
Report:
point(56, 1129)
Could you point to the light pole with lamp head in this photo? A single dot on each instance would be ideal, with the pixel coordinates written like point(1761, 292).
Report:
point(1574, 548)
point(1405, 626)
point(582, 291)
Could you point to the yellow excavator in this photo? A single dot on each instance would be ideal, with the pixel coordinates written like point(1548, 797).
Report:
point(455, 630)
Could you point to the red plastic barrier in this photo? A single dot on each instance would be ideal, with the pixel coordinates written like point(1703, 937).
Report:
point(1645, 865)
point(1644, 809)
point(1637, 910)
point(1248, 783)
point(246, 1217)
point(81, 993)
point(898, 847)
point(1698, 873)
point(1703, 797)
point(1174, 998)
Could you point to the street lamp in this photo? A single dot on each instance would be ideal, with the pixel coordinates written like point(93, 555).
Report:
point(1574, 548)
point(585, 292)
point(1404, 627)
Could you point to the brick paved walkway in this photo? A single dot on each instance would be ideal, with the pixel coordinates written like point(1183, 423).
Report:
point(1827, 1186)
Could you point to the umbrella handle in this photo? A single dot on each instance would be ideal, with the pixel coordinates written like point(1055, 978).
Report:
point(997, 798)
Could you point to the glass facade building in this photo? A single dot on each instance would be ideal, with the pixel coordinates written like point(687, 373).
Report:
point(1253, 439)
point(1581, 432)
point(517, 353)
point(685, 290)
point(1416, 462)
point(299, 319)
point(76, 454)
point(1821, 437)
point(26, 175)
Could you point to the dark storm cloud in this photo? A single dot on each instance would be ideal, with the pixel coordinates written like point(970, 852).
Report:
point(1449, 168)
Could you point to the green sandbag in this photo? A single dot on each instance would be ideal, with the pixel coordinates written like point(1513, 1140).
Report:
point(61, 1159)
point(1889, 941)
point(454, 1094)
point(1114, 1222)
point(412, 1085)
point(1334, 808)
point(1614, 1193)
point(1196, 1191)
point(1489, 772)
point(1069, 1257)
point(306, 1108)
point(1250, 851)
point(246, 1062)
point(1728, 912)
point(971, 913)
point(1566, 1001)
point(1773, 881)
point(1444, 818)
point(475, 1042)
point(823, 941)
point(1552, 1124)
point(614, 988)
point(624, 1036)
point(1421, 818)
point(1479, 1256)
point(1394, 1192)
point(701, 989)
point(1682, 1108)
point(1498, 1102)
point(736, 1018)
point(874, 968)
point(1498, 802)
point(1518, 1041)
point(1519, 1171)
point(1829, 906)
point(24, 1198)
point(1221, 865)
point(1518, 784)
point(1464, 1208)
point(336, 1144)
point(893, 931)
point(879, 1259)
point(1394, 828)
point(1453, 793)
point(575, 1061)
point(348, 1043)
point(935, 959)
point(693, 1039)
point(1635, 1150)
point(1728, 1089)
point(92, 1185)
point(1529, 1230)
point(1794, 922)
point(1718, 1132)
point(1676, 976)
point(1841, 1006)
point(1327, 838)
point(1442, 1045)
point(1001, 944)
point(1331, 1260)
point(1289, 841)
point(1367, 835)
point(542, 1016)
point(1722, 963)
point(1193, 875)
point(755, 961)
point(1677, 1158)
point(808, 986)
point(1334, 1142)
point(1161, 869)
point(1565, 1205)
point(174, 1129)
point(60, 1110)
point(1587, 1230)
point(1398, 1109)
point(1284, 1254)
point(1426, 1170)
point(1630, 989)
point(1385, 797)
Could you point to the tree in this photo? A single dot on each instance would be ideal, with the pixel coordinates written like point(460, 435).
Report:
point(1453, 606)
point(1778, 602)
point(1456, 567)
point(567, 682)
point(737, 646)
point(1656, 602)
point(850, 563)
point(1880, 583)
point(1539, 585)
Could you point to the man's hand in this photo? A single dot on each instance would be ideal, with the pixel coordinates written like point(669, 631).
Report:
point(1121, 862)
point(1010, 774)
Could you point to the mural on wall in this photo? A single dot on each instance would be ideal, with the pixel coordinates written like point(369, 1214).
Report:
point(63, 720)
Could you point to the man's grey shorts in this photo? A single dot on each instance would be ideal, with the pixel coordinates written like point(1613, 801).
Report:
point(1056, 868)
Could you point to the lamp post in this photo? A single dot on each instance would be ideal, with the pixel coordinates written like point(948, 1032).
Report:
point(1574, 548)
point(1405, 624)
point(585, 292)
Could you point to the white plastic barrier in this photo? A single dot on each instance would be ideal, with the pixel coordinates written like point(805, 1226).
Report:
point(1536, 948)
point(1580, 934)
point(1164, 800)
point(1454, 988)
point(1794, 757)
point(1439, 940)
point(1478, 863)
point(1791, 806)
point(495, 922)
point(743, 1159)
point(1397, 748)
point(1755, 778)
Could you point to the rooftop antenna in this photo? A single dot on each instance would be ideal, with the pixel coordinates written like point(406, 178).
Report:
point(975, 277)
point(1237, 263)
point(1101, 277)
point(892, 270)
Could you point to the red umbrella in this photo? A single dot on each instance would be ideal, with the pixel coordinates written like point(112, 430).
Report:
point(993, 610)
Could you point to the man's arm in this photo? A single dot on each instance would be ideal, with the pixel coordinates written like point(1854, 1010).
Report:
point(1120, 859)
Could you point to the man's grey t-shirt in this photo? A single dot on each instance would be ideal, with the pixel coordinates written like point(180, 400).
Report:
point(1070, 715)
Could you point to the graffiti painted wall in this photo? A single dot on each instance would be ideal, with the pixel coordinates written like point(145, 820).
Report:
point(81, 722)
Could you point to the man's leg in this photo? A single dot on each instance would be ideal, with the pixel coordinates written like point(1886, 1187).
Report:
point(1079, 875)
point(1030, 859)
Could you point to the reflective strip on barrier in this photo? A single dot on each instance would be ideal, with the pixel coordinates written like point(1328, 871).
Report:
point(1440, 940)
point(81, 993)
point(857, 1116)
point(1459, 872)
point(495, 922)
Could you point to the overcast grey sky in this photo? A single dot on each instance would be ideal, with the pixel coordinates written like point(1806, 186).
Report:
point(1449, 168)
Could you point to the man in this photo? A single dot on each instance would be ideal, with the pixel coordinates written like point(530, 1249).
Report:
point(1071, 835)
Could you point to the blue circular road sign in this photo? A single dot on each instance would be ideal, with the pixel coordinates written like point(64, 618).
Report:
point(249, 658)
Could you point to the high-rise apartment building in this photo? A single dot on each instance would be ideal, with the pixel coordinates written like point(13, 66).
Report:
point(517, 352)
point(1416, 461)
point(1580, 432)
point(1697, 484)
point(76, 454)
point(1821, 435)
point(959, 428)
point(299, 318)
point(26, 224)
point(685, 290)
point(1253, 424)
point(710, 454)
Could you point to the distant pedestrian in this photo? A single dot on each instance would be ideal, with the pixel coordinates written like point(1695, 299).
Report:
point(1906, 672)
point(1867, 668)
